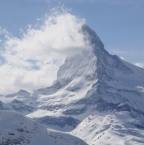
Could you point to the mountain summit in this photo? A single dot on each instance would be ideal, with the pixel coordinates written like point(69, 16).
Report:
point(95, 68)
point(97, 96)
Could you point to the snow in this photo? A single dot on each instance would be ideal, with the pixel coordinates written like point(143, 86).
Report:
point(17, 129)
point(97, 97)
point(42, 113)
point(110, 129)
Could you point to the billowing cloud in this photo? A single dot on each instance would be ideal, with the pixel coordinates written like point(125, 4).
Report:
point(32, 61)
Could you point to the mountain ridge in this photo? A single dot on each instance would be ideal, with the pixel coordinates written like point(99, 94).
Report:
point(91, 86)
point(17, 129)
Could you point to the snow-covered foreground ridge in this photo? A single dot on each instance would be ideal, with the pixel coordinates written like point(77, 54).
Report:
point(97, 97)
point(15, 129)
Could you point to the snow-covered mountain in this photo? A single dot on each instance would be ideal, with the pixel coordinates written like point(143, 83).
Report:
point(15, 129)
point(97, 97)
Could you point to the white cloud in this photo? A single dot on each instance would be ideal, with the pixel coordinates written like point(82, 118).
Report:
point(32, 61)
point(140, 64)
point(4, 32)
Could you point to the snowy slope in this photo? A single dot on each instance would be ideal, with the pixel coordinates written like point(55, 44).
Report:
point(92, 84)
point(16, 129)
point(118, 127)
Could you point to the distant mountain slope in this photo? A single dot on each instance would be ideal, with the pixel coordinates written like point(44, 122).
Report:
point(116, 128)
point(92, 84)
point(16, 129)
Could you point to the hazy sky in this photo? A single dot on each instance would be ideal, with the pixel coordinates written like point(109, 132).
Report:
point(119, 24)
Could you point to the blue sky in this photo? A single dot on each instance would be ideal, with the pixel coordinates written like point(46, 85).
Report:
point(119, 24)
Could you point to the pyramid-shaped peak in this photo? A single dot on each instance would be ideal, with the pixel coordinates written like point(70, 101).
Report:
point(91, 64)
point(94, 40)
point(89, 31)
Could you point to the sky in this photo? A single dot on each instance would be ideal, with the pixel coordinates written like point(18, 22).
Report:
point(31, 51)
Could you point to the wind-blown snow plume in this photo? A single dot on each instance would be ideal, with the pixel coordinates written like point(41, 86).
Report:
point(139, 64)
point(32, 61)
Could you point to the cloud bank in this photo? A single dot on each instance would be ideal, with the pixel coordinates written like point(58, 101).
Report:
point(32, 61)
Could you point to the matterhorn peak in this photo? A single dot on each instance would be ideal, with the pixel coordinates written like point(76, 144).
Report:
point(92, 36)
point(93, 39)
point(97, 96)
point(92, 63)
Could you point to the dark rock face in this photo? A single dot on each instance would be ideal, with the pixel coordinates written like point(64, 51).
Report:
point(59, 121)
point(19, 106)
point(1, 105)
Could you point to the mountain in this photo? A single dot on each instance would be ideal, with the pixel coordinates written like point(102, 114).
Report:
point(97, 97)
point(15, 129)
